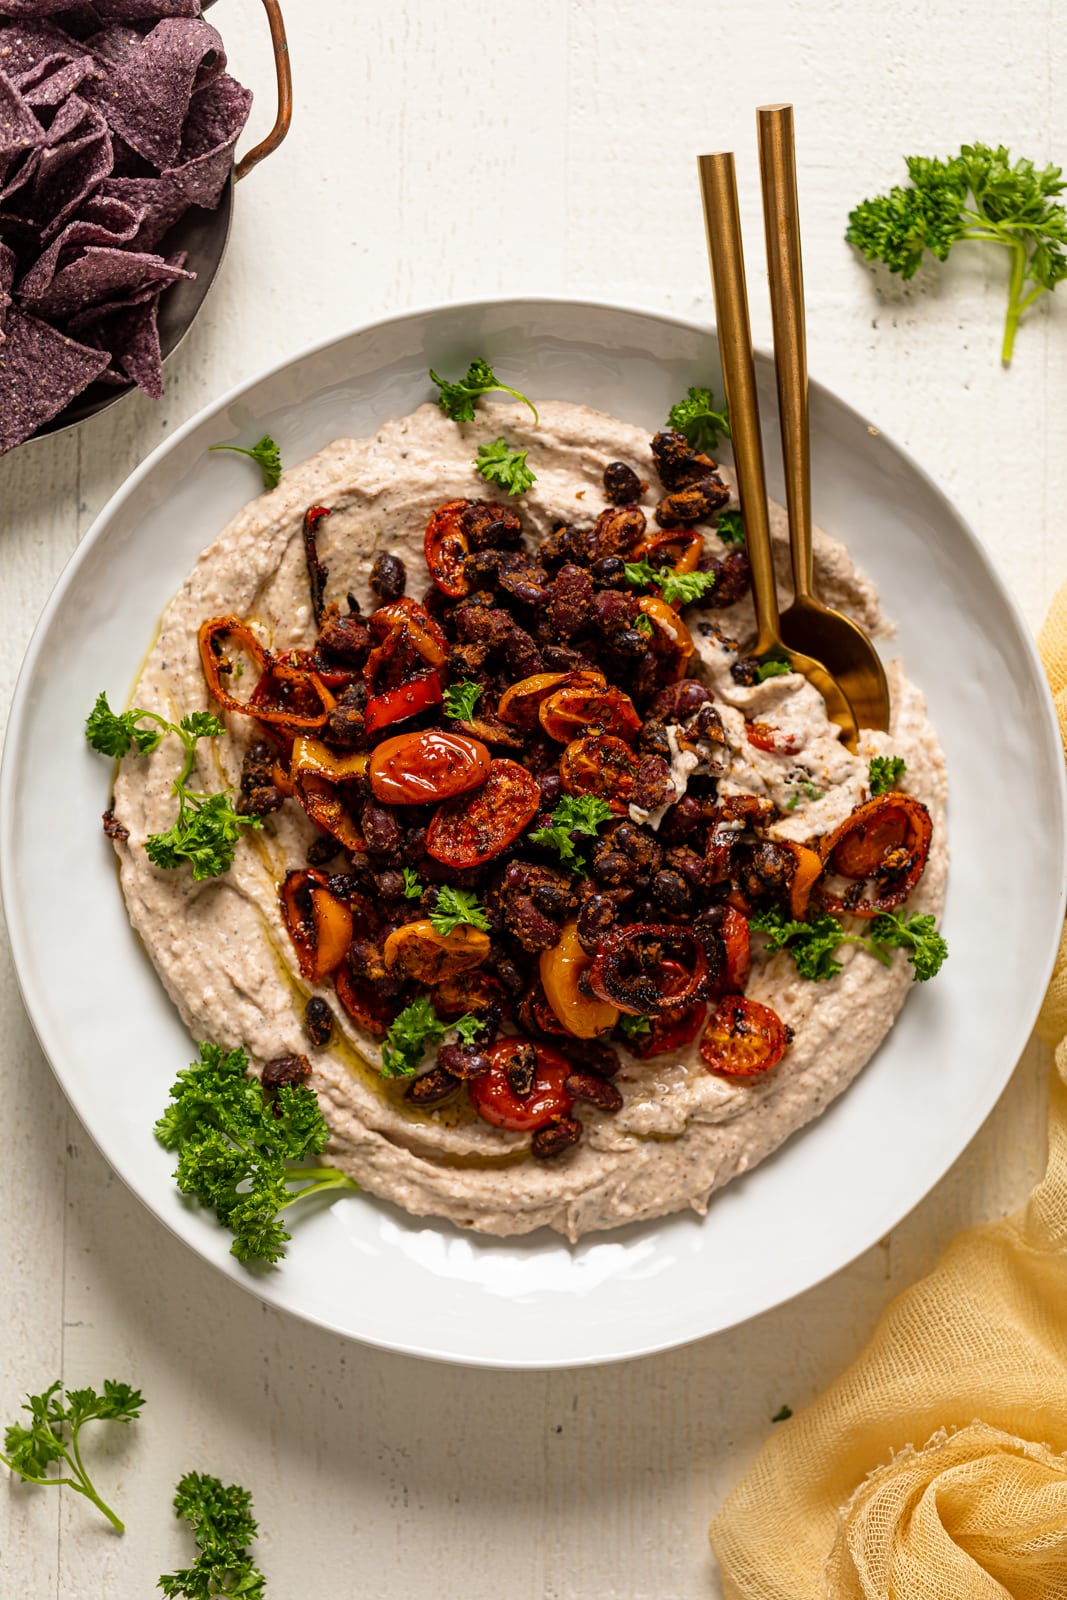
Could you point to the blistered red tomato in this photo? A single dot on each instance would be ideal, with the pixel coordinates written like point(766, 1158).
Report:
point(414, 769)
point(602, 765)
point(574, 710)
point(494, 1099)
point(743, 1038)
point(475, 827)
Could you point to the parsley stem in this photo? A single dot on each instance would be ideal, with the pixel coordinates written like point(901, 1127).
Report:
point(327, 1178)
point(1015, 294)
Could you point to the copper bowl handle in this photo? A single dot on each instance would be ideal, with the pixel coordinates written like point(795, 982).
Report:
point(285, 94)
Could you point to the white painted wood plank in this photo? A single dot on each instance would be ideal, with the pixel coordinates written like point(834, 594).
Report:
point(456, 151)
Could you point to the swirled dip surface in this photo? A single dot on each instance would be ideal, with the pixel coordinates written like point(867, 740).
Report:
point(221, 947)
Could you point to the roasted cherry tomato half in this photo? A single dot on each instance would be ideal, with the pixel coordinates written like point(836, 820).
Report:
point(365, 1004)
point(574, 710)
point(672, 643)
point(521, 702)
point(474, 828)
point(649, 969)
point(396, 705)
point(602, 765)
point(766, 736)
point(319, 924)
point(670, 1033)
point(446, 548)
point(743, 1038)
point(733, 932)
point(415, 769)
point(583, 1015)
point(494, 1099)
point(416, 950)
point(887, 839)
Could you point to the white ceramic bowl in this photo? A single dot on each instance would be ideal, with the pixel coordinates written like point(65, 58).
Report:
point(359, 1266)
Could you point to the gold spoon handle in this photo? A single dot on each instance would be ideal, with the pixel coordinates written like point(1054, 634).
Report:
point(784, 271)
point(718, 186)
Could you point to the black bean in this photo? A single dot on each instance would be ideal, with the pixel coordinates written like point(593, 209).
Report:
point(285, 1069)
point(558, 1137)
point(609, 573)
point(671, 892)
point(596, 1090)
point(431, 1088)
point(594, 920)
point(621, 484)
point(318, 1021)
point(521, 1069)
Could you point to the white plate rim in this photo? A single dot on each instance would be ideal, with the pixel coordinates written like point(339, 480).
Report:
point(10, 764)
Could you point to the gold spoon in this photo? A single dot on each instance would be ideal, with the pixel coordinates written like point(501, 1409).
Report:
point(808, 623)
point(718, 185)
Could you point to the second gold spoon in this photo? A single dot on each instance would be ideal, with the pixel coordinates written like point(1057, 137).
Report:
point(718, 185)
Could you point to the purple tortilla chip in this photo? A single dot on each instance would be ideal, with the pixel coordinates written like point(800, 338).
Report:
point(216, 117)
point(69, 167)
point(52, 80)
point(134, 340)
point(7, 278)
point(146, 95)
point(145, 10)
point(115, 42)
point(103, 222)
point(19, 128)
point(40, 372)
point(24, 44)
point(102, 273)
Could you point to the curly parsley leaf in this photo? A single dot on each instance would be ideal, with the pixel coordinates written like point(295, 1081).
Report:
point(460, 699)
point(412, 886)
point(207, 827)
point(643, 624)
point(697, 418)
point(813, 944)
point(884, 773)
point(267, 454)
point(773, 667)
point(457, 908)
point(457, 399)
point(507, 468)
point(635, 1030)
point(223, 1527)
point(918, 937)
point(413, 1032)
point(582, 814)
point(683, 586)
point(730, 527)
point(980, 194)
point(52, 1435)
point(235, 1148)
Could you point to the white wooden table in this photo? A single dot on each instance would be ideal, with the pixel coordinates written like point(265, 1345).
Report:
point(451, 151)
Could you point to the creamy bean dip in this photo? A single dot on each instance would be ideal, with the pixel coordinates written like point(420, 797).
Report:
point(224, 954)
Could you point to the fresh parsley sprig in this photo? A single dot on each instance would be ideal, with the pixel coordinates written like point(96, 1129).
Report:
point(884, 773)
point(979, 194)
point(412, 887)
point(457, 399)
point(683, 586)
point(583, 814)
point(223, 1527)
point(460, 699)
point(457, 908)
point(267, 454)
point(53, 1433)
point(234, 1149)
point(813, 944)
point(730, 527)
point(505, 467)
point(207, 827)
point(413, 1032)
point(697, 417)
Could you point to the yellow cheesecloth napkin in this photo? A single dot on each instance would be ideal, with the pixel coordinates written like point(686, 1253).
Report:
point(934, 1467)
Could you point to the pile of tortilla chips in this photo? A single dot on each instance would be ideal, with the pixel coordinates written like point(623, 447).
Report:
point(116, 116)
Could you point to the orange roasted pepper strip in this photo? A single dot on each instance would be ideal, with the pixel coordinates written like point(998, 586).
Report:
point(582, 1015)
point(219, 628)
